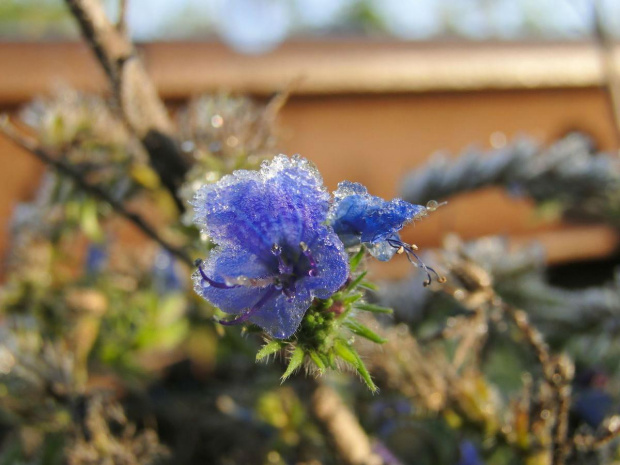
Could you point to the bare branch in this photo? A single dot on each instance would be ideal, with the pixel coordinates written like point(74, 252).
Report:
point(121, 22)
point(610, 431)
point(35, 148)
point(134, 91)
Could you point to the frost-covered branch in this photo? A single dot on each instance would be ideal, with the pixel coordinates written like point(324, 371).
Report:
point(567, 171)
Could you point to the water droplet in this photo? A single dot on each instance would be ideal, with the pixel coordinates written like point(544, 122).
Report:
point(432, 205)
point(498, 140)
point(217, 121)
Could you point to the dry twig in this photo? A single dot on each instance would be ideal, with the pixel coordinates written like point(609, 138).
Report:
point(348, 437)
point(610, 431)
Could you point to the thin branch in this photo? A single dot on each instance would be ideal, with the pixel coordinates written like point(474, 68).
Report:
point(557, 372)
point(142, 109)
point(531, 335)
point(611, 431)
point(121, 22)
point(35, 148)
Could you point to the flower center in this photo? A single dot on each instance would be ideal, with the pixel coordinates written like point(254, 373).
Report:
point(284, 281)
point(290, 270)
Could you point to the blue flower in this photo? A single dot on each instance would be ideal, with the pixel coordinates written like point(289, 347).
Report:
point(274, 253)
point(165, 274)
point(96, 258)
point(468, 454)
point(358, 217)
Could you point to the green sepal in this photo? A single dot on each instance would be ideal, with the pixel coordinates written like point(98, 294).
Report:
point(349, 355)
point(368, 285)
point(356, 259)
point(270, 348)
point(364, 331)
point(352, 299)
point(331, 360)
point(353, 284)
point(318, 361)
point(297, 358)
point(373, 308)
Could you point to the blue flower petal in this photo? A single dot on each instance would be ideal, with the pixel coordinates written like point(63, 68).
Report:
point(328, 252)
point(256, 210)
point(224, 265)
point(300, 182)
point(357, 216)
point(382, 251)
point(281, 316)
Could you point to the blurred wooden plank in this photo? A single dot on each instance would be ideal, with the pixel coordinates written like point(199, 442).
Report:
point(329, 66)
point(358, 121)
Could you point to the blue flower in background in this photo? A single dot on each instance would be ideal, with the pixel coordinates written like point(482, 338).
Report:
point(592, 403)
point(358, 217)
point(274, 252)
point(592, 406)
point(96, 258)
point(166, 277)
point(468, 454)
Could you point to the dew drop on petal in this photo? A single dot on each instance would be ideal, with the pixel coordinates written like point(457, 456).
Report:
point(432, 205)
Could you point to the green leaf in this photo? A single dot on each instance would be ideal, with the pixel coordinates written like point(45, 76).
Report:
point(373, 308)
point(357, 280)
point(270, 348)
point(349, 355)
point(356, 259)
point(361, 330)
point(89, 220)
point(295, 362)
